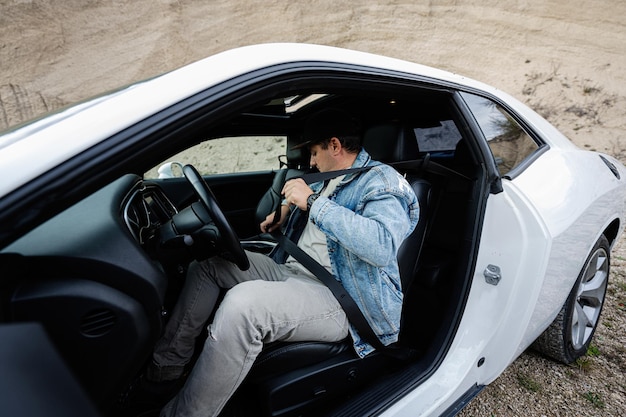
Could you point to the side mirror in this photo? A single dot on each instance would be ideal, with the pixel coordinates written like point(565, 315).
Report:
point(171, 170)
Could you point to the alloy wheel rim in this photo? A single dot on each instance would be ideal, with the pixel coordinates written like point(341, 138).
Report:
point(590, 298)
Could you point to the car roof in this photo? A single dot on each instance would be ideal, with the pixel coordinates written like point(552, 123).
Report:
point(37, 147)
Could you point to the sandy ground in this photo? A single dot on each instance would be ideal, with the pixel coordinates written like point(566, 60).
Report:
point(566, 58)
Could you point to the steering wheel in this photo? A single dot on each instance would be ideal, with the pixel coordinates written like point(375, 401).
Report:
point(227, 235)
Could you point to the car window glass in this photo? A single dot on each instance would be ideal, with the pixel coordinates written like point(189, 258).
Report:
point(442, 137)
point(508, 141)
point(225, 155)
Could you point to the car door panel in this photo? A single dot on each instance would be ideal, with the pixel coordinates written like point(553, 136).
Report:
point(509, 274)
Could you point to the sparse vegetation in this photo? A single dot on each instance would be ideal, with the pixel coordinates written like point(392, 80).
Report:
point(594, 399)
point(581, 98)
point(583, 363)
point(593, 350)
point(529, 383)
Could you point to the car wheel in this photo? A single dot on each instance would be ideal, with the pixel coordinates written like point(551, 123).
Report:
point(570, 334)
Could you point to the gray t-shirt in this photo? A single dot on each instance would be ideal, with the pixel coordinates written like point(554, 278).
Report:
point(313, 240)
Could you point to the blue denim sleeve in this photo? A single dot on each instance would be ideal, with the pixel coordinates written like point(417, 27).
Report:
point(384, 214)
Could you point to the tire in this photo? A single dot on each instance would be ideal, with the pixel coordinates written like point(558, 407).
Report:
point(569, 335)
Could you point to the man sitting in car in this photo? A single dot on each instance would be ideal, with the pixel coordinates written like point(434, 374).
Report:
point(352, 225)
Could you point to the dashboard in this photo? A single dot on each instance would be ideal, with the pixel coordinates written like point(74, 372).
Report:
point(146, 209)
point(87, 276)
point(101, 239)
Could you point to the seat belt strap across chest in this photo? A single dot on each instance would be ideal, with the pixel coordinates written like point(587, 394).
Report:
point(352, 310)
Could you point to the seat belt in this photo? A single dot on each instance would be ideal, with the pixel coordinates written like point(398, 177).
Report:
point(410, 165)
point(352, 310)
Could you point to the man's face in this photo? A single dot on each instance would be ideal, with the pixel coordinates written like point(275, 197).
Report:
point(321, 158)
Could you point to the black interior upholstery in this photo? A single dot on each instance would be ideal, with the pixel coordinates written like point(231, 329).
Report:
point(440, 275)
point(289, 376)
point(35, 381)
point(297, 163)
point(391, 142)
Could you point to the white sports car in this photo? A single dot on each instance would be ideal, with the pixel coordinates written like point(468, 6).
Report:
point(512, 249)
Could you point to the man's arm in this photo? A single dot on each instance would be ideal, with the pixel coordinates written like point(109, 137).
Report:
point(267, 226)
point(373, 235)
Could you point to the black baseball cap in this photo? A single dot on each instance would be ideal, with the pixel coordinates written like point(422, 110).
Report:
point(325, 124)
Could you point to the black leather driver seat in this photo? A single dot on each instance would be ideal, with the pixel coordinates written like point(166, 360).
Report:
point(290, 376)
point(297, 163)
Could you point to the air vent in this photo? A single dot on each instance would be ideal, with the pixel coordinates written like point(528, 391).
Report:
point(611, 166)
point(97, 323)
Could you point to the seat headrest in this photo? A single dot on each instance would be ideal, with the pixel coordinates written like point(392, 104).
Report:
point(391, 143)
point(297, 158)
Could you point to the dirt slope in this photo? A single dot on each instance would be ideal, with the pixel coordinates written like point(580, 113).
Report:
point(567, 58)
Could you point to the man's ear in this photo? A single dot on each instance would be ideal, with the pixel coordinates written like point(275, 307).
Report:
point(335, 144)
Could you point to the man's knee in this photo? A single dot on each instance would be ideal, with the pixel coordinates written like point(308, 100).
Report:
point(247, 295)
point(240, 314)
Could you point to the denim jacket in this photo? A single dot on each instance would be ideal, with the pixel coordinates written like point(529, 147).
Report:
point(365, 221)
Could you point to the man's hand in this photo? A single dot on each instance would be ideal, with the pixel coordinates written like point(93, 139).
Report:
point(296, 192)
point(267, 226)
